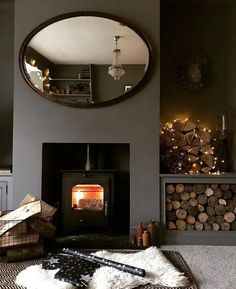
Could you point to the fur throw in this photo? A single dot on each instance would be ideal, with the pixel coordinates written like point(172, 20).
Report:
point(159, 271)
point(34, 277)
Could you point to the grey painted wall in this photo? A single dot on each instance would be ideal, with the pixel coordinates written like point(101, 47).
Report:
point(6, 80)
point(134, 121)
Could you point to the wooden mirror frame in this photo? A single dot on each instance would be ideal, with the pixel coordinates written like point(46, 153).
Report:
point(127, 94)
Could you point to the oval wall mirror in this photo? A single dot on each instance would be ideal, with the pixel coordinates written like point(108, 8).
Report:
point(85, 59)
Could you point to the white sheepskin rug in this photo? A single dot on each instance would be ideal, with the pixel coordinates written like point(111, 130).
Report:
point(34, 277)
point(159, 271)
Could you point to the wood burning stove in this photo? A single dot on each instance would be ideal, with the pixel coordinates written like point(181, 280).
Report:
point(87, 201)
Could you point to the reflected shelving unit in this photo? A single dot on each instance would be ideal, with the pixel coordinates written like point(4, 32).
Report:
point(77, 88)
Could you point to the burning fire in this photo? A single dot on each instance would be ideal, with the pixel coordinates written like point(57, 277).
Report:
point(87, 197)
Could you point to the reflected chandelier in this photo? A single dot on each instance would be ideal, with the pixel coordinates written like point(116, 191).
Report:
point(116, 70)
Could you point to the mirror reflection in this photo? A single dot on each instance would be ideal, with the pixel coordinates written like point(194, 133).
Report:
point(84, 60)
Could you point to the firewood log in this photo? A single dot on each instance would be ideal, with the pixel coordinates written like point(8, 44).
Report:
point(185, 205)
point(201, 208)
point(18, 215)
point(204, 135)
point(196, 143)
point(188, 188)
point(234, 197)
point(170, 189)
point(181, 225)
point(193, 211)
point(179, 188)
point(168, 139)
point(202, 199)
point(209, 192)
point(202, 217)
point(227, 195)
point(192, 159)
point(189, 137)
point(207, 226)
point(229, 217)
point(184, 196)
point(210, 211)
point(171, 225)
point(225, 187)
point(176, 205)
point(199, 188)
point(190, 227)
point(205, 170)
point(222, 202)
point(233, 226)
point(218, 193)
point(194, 150)
point(47, 210)
point(190, 219)
point(168, 199)
point(185, 148)
point(230, 205)
point(45, 229)
point(233, 188)
point(19, 229)
point(17, 240)
point(211, 219)
point(220, 210)
point(208, 160)
point(169, 207)
point(182, 141)
point(214, 186)
point(189, 126)
point(178, 125)
point(206, 149)
point(215, 227)
point(219, 219)
point(171, 216)
point(181, 214)
point(28, 199)
point(212, 202)
point(225, 226)
point(178, 135)
point(193, 195)
point(175, 196)
point(198, 226)
point(195, 168)
point(193, 202)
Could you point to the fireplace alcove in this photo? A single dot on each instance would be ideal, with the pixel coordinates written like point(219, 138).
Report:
point(69, 187)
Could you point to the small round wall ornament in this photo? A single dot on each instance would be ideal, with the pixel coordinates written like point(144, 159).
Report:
point(192, 73)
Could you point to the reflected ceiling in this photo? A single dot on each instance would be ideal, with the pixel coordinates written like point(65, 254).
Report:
point(88, 40)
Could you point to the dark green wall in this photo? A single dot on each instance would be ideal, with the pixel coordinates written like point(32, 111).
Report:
point(105, 87)
point(6, 80)
point(232, 82)
point(41, 62)
point(194, 28)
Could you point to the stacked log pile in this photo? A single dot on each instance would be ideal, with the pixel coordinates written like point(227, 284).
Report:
point(210, 207)
point(23, 230)
point(186, 147)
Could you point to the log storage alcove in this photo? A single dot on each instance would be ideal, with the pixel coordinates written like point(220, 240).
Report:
point(199, 209)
